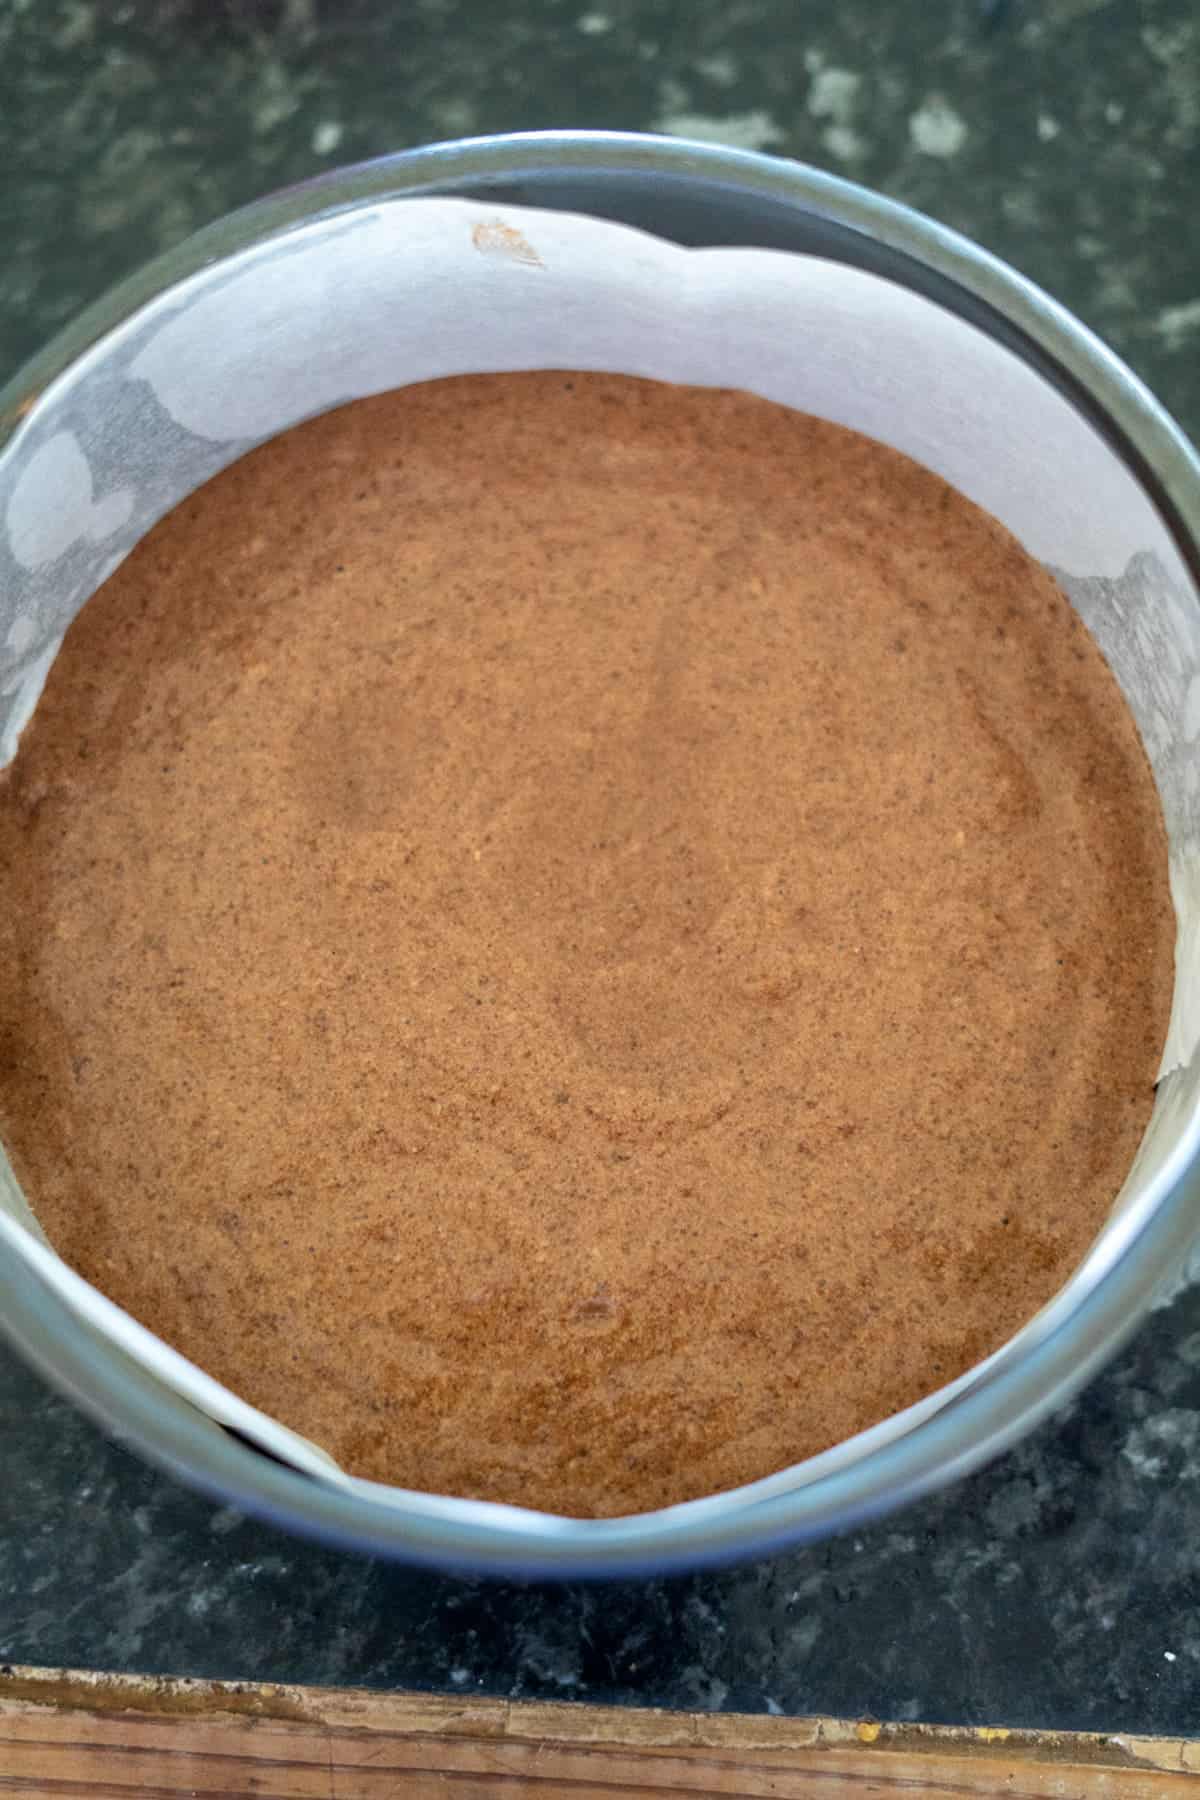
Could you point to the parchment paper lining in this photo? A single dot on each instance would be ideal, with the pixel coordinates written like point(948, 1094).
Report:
point(411, 289)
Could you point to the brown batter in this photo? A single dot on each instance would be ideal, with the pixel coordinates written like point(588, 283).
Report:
point(578, 941)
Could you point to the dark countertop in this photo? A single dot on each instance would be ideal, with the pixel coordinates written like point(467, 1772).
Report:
point(1059, 1587)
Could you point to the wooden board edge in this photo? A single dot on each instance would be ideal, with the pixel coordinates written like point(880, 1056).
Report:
point(571, 1723)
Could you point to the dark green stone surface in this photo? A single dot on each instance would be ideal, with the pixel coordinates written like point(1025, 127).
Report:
point(1062, 134)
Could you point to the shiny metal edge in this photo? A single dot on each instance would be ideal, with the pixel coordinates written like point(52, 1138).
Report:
point(1114, 1286)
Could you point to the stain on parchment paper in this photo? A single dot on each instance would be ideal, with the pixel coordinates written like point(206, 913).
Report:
point(492, 237)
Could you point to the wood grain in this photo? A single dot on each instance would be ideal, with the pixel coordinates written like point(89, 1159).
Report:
point(70, 1735)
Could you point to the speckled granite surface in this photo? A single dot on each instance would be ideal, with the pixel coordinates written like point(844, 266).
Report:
point(1060, 1587)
